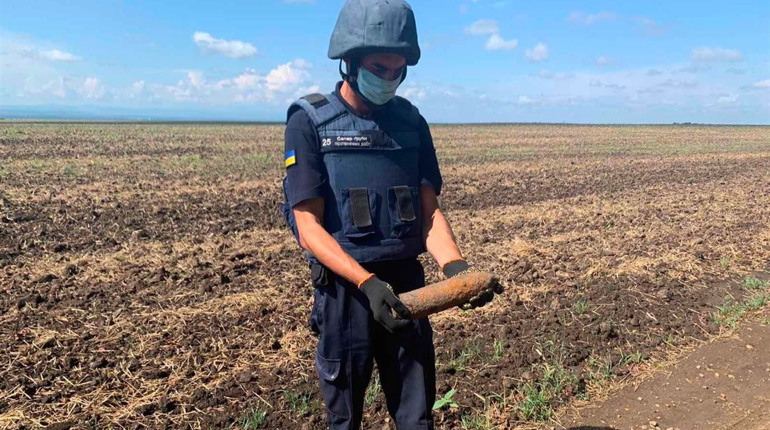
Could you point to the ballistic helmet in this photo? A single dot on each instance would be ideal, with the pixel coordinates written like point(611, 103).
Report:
point(371, 26)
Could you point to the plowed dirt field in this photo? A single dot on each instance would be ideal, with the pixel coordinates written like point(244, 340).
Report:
point(147, 280)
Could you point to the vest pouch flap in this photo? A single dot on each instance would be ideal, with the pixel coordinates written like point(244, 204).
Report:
point(358, 208)
point(404, 208)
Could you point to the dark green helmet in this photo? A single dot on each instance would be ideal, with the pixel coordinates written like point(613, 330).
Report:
point(371, 26)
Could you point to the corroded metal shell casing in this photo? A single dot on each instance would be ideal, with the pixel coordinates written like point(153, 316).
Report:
point(443, 295)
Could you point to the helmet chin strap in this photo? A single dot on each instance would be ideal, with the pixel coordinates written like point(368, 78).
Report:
point(351, 79)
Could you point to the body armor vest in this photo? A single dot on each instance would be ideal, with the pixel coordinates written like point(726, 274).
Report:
point(372, 205)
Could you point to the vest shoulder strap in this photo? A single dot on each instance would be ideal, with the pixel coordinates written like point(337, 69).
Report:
point(320, 108)
point(407, 112)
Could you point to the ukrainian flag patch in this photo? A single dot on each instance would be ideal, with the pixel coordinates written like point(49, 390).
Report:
point(290, 158)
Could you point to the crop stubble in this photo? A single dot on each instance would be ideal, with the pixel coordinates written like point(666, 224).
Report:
point(147, 279)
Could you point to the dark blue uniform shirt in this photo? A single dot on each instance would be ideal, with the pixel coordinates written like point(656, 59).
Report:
point(307, 177)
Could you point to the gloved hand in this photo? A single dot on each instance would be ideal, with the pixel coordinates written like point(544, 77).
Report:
point(382, 300)
point(457, 267)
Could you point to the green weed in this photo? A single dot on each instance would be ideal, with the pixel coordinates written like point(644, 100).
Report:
point(300, 403)
point(446, 401)
point(499, 349)
point(724, 262)
point(730, 312)
point(670, 339)
point(475, 422)
point(460, 362)
point(69, 170)
point(601, 369)
point(633, 358)
point(580, 306)
point(189, 159)
point(540, 398)
point(254, 420)
point(372, 390)
point(494, 405)
point(755, 283)
point(758, 301)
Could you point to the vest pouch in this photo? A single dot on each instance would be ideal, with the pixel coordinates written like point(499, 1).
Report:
point(358, 208)
point(404, 207)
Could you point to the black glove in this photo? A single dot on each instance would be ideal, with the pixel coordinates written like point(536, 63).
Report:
point(382, 300)
point(457, 267)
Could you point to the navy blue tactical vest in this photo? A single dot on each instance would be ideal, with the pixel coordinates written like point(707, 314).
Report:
point(372, 207)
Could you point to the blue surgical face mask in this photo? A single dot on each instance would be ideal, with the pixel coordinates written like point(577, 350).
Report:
point(375, 89)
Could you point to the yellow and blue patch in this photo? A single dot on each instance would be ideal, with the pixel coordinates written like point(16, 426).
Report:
point(290, 158)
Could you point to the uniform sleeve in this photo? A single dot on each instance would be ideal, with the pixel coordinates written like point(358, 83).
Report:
point(305, 171)
point(429, 171)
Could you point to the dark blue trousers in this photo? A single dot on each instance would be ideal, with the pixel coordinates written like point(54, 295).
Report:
point(350, 341)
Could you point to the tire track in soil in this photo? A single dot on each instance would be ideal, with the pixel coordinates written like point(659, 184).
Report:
point(723, 385)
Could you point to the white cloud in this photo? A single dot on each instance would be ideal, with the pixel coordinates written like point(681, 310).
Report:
point(287, 75)
point(196, 78)
point(248, 80)
point(92, 88)
point(674, 83)
point(66, 87)
point(57, 55)
point(228, 48)
point(301, 63)
point(538, 53)
point(545, 74)
point(604, 61)
point(707, 54)
point(650, 90)
point(584, 18)
point(649, 27)
point(32, 71)
point(483, 27)
point(601, 84)
point(497, 43)
point(282, 84)
point(654, 72)
point(303, 91)
point(137, 90)
point(138, 86)
point(762, 84)
point(692, 68)
point(413, 93)
point(57, 89)
point(728, 99)
point(524, 100)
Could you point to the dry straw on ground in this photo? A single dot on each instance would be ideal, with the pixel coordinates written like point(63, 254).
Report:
point(147, 279)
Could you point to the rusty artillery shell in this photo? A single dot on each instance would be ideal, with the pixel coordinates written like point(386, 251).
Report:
point(443, 295)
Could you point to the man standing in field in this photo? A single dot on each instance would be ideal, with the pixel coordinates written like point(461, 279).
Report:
point(361, 185)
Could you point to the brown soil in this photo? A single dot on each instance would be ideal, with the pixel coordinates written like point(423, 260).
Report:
point(147, 281)
point(724, 385)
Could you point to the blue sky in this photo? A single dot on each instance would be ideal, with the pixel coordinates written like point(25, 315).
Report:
point(483, 60)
